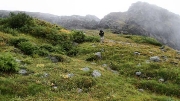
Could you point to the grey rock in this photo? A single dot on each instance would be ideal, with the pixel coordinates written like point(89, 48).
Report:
point(98, 54)
point(155, 58)
point(96, 73)
point(85, 69)
point(75, 44)
point(79, 90)
point(115, 72)
point(54, 59)
point(138, 73)
point(104, 65)
point(70, 75)
point(23, 71)
point(141, 90)
point(137, 53)
point(161, 80)
point(46, 74)
point(17, 60)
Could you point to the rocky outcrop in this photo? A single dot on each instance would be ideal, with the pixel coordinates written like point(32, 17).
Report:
point(148, 20)
point(79, 22)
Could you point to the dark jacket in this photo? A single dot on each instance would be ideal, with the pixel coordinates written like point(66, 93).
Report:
point(101, 33)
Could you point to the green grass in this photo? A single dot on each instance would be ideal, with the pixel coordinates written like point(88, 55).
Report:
point(48, 81)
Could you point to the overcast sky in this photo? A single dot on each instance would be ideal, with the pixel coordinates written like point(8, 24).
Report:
point(99, 8)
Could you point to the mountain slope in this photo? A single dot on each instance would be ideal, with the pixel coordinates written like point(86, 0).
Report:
point(56, 64)
point(149, 20)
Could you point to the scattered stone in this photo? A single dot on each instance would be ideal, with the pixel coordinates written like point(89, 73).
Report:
point(46, 74)
point(104, 65)
point(70, 75)
point(86, 69)
point(138, 73)
point(96, 73)
point(54, 59)
point(141, 90)
point(23, 71)
point(161, 80)
point(149, 78)
point(98, 54)
point(79, 90)
point(75, 44)
point(17, 60)
point(54, 88)
point(115, 72)
point(137, 53)
point(155, 58)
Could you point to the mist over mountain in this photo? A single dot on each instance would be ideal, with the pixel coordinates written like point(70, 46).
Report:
point(69, 22)
point(146, 19)
point(140, 19)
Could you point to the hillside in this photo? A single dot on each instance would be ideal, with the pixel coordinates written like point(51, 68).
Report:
point(69, 22)
point(42, 61)
point(140, 19)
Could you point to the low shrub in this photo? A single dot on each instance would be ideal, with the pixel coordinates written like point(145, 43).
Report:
point(27, 47)
point(78, 36)
point(160, 88)
point(8, 30)
point(47, 47)
point(72, 52)
point(85, 82)
point(19, 20)
point(16, 41)
point(41, 52)
point(8, 63)
point(91, 39)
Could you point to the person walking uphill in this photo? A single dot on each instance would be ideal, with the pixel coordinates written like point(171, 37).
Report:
point(101, 34)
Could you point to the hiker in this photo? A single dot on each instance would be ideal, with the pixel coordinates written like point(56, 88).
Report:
point(101, 34)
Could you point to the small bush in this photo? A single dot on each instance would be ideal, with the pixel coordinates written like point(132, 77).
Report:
point(8, 63)
point(41, 52)
point(92, 57)
point(78, 36)
point(144, 39)
point(19, 20)
point(91, 39)
point(27, 47)
point(16, 41)
point(161, 88)
point(85, 82)
point(72, 52)
point(59, 57)
point(8, 30)
point(47, 47)
point(33, 89)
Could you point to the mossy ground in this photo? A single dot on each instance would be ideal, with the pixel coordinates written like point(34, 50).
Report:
point(48, 81)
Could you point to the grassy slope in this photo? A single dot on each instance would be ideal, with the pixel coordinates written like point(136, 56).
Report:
point(109, 87)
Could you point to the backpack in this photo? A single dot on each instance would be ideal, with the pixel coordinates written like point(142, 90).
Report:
point(101, 33)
